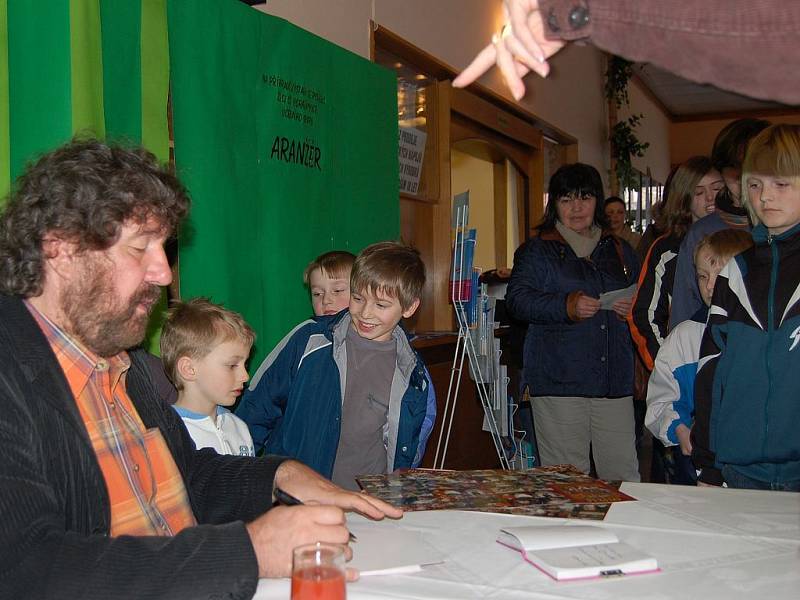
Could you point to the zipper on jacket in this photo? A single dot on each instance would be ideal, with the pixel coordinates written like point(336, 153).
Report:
point(773, 280)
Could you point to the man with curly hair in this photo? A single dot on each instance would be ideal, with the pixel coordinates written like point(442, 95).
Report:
point(102, 492)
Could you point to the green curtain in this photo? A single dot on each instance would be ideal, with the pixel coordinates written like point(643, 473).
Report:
point(288, 145)
point(85, 67)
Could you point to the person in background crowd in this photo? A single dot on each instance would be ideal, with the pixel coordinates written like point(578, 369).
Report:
point(692, 192)
point(578, 357)
point(727, 155)
point(746, 392)
point(615, 215)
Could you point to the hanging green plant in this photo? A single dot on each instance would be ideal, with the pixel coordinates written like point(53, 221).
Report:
point(618, 74)
point(624, 145)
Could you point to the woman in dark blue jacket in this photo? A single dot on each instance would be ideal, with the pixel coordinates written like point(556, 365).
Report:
point(578, 358)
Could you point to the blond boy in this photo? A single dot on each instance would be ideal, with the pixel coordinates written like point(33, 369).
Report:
point(204, 348)
point(746, 393)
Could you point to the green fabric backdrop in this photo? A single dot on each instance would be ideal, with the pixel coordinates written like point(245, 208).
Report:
point(251, 94)
point(75, 67)
point(89, 67)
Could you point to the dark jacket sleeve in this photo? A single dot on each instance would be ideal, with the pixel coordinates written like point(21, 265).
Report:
point(686, 299)
point(263, 403)
point(527, 295)
point(738, 53)
point(649, 322)
point(705, 388)
point(631, 262)
point(54, 540)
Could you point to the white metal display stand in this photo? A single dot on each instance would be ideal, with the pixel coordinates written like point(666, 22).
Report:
point(465, 346)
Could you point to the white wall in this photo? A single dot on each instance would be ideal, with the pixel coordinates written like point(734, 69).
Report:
point(691, 138)
point(343, 22)
point(654, 128)
point(512, 213)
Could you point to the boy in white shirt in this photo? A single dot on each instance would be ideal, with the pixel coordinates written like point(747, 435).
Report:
point(204, 348)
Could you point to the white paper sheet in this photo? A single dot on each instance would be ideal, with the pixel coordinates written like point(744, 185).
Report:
point(385, 548)
point(607, 300)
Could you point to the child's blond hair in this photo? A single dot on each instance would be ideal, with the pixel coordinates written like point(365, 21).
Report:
point(195, 328)
point(774, 152)
point(336, 264)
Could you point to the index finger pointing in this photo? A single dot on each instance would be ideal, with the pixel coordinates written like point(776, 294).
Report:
point(480, 64)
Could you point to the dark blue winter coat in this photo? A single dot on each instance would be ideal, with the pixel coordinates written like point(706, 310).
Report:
point(565, 356)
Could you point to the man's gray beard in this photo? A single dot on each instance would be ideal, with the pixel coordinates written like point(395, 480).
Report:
point(94, 314)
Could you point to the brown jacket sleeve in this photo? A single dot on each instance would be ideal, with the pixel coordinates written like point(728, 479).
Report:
point(572, 305)
point(742, 46)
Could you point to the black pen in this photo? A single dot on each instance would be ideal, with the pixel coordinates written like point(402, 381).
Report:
point(287, 499)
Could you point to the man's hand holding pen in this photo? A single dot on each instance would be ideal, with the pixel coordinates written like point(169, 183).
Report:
point(320, 516)
point(286, 499)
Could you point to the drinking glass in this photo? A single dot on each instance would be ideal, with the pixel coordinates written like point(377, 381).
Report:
point(318, 572)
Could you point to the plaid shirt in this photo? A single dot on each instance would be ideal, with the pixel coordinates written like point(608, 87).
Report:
point(145, 488)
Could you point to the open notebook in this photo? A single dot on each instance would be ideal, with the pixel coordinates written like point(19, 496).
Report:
point(576, 551)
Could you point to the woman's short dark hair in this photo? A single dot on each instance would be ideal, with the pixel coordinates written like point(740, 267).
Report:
point(575, 178)
point(84, 192)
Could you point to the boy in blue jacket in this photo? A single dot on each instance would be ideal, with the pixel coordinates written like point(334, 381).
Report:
point(346, 394)
point(747, 390)
point(670, 391)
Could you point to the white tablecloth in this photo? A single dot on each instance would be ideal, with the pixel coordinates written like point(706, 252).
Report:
point(710, 544)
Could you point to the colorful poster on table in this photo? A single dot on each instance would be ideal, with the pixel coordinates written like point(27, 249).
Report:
point(288, 145)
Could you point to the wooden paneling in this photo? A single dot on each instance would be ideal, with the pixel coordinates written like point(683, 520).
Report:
point(456, 114)
point(495, 118)
point(500, 181)
point(426, 226)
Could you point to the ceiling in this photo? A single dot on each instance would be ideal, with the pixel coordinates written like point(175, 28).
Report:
point(684, 99)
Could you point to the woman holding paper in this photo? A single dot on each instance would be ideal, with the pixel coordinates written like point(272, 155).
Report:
point(578, 357)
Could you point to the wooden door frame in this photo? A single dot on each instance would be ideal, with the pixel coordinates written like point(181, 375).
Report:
point(425, 224)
